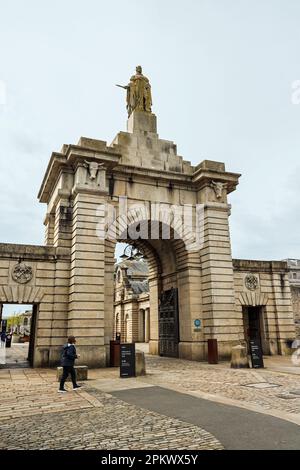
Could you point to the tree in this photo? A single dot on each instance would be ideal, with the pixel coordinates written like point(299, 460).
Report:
point(13, 321)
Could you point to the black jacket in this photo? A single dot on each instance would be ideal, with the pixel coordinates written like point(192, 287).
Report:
point(68, 355)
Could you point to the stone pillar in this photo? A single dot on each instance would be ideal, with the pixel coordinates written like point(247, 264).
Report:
point(109, 324)
point(153, 292)
point(127, 328)
point(87, 278)
point(134, 327)
point(59, 320)
point(140, 121)
point(284, 318)
point(191, 344)
point(123, 326)
point(49, 231)
point(221, 321)
point(147, 325)
point(141, 337)
point(63, 223)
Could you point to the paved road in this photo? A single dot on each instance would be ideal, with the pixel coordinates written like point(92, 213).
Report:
point(235, 428)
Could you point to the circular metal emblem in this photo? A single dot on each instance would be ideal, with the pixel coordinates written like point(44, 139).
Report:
point(251, 282)
point(22, 273)
point(197, 323)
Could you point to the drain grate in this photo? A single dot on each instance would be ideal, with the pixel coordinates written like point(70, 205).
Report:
point(262, 385)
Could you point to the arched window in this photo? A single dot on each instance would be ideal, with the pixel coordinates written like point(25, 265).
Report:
point(126, 328)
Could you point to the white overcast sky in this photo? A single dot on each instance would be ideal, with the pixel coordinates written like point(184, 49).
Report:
point(221, 74)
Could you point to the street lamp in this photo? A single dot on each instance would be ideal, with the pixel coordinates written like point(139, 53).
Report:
point(132, 253)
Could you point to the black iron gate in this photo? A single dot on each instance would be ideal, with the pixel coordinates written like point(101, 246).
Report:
point(168, 323)
point(32, 335)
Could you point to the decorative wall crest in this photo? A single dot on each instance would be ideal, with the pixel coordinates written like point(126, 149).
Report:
point(93, 168)
point(22, 273)
point(251, 281)
point(218, 188)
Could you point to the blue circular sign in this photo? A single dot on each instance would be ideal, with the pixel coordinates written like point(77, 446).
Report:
point(197, 323)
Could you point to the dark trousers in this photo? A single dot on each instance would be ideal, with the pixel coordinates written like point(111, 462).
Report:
point(68, 370)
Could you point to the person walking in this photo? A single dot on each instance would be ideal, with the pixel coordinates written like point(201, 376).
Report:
point(3, 339)
point(68, 357)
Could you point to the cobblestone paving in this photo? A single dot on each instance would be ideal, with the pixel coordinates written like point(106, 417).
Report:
point(112, 425)
point(25, 392)
point(34, 416)
point(229, 383)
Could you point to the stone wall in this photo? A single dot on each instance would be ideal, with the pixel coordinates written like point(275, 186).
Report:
point(266, 284)
point(295, 291)
point(47, 287)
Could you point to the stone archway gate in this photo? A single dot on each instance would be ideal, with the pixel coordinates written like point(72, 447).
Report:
point(86, 187)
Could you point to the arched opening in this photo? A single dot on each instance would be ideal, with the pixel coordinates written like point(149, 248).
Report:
point(126, 334)
point(117, 326)
point(131, 293)
point(17, 331)
point(158, 321)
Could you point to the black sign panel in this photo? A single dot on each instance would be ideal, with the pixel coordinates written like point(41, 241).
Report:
point(256, 354)
point(127, 360)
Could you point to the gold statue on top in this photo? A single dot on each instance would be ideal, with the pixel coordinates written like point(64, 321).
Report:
point(138, 93)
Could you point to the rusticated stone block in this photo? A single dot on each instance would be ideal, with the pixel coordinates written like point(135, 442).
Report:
point(81, 373)
point(140, 365)
point(239, 358)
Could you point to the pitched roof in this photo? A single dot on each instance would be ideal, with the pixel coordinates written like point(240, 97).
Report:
point(138, 287)
point(134, 267)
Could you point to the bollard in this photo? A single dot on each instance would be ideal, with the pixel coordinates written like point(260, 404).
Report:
point(239, 357)
point(212, 351)
point(114, 353)
point(81, 373)
point(140, 365)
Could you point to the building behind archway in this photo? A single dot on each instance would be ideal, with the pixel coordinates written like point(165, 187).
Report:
point(132, 300)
